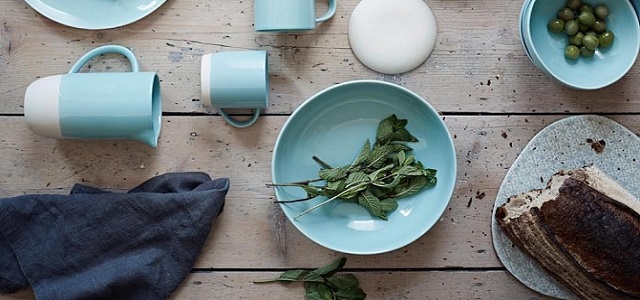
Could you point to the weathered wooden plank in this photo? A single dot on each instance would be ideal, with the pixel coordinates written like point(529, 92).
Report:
point(377, 285)
point(478, 64)
point(252, 232)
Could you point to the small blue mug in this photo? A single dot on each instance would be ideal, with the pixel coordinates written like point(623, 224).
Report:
point(109, 105)
point(289, 15)
point(236, 79)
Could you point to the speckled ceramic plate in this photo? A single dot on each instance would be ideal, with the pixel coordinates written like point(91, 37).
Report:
point(569, 143)
point(95, 14)
point(334, 125)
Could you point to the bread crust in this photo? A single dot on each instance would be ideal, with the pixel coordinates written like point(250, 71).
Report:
point(584, 229)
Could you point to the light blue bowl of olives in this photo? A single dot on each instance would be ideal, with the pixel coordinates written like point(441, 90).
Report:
point(594, 56)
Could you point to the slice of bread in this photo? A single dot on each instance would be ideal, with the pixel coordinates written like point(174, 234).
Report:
point(584, 229)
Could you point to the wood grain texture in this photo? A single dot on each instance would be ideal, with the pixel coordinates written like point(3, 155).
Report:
point(478, 64)
point(461, 285)
point(252, 233)
point(492, 98)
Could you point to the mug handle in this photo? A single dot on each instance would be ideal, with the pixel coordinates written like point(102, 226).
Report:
point(106, 49)
point(238, 124)
point(329, 13)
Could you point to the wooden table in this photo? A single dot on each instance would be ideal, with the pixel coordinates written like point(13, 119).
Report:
point(489, 94)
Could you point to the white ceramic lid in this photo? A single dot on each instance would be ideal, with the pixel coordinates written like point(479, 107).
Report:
point(392, 36)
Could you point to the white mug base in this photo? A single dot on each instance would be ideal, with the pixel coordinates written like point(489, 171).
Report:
point(41, 106)
point(205, 80)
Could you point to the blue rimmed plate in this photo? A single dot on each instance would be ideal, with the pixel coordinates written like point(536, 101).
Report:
point(95, 14)
point(564, 144)
point(334, 125)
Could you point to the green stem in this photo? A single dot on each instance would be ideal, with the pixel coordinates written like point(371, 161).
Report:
point(330, 199)
point(297, 200)
point(265, 281)
point(322, 163)
point(296, 183)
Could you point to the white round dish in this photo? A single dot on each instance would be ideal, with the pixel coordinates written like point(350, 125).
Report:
point(392, 37)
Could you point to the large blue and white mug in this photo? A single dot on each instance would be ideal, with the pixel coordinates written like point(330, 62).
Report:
point(236, 79)
point(289, 15)
point(105, 105)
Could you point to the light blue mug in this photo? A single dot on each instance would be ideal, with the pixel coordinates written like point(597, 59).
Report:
point(236, 79)
point(108, 105)
point(289, 15)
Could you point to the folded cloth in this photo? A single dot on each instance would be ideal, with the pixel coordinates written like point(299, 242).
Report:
point(94, 244)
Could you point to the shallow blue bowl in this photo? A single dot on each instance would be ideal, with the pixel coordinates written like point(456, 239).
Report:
point(334, 125)
point(607, 66)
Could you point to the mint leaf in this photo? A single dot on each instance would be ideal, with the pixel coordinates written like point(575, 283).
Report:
point(333, 174)
point(362, 156)
point(412, 186)
point(372, 204)
point(331, 268)
point(344, 281)
point(318, 292)
point(350, 294)
point(385, 130)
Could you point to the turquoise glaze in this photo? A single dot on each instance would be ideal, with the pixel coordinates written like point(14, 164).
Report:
point(95, 14)
point(521, 30)
point(110, 105)
point(239, 79)
point(289, 15)
point(607, 66)
point(334, 125)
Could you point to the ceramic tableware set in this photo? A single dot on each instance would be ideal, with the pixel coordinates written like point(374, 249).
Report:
point(546, 49)
point(128, 105)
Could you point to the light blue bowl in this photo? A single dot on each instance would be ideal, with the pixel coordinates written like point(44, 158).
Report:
point(334, 125)
point(521, 30)
point(607, 66)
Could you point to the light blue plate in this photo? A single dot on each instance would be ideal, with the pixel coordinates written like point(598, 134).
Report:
point(563, 145)
point(607, 65)
point(95, 14)
point(334, 125)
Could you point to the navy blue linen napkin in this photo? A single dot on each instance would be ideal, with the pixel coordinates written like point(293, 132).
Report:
point(94, 244)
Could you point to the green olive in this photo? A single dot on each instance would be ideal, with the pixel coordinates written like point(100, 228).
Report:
point(601, 11)
point(572, 52)
point(573, 4)
point(606, 38)
point(571, 27)
point(586, 52)
point(576, 39)
point(599, 26)
point(585, 7)
point(566, 14)
point(586, 18)
point(591, 32)
point(556, 25)
point(590, 41)
point(583, 28)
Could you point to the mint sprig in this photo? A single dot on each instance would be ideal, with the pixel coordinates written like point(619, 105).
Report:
point(380, 174)
point(323, 283)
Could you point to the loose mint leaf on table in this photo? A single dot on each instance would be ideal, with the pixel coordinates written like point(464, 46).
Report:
point(323, 283)
point(332, 267)
point(379, 175)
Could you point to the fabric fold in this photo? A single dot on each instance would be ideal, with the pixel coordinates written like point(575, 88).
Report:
point(103, 245)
